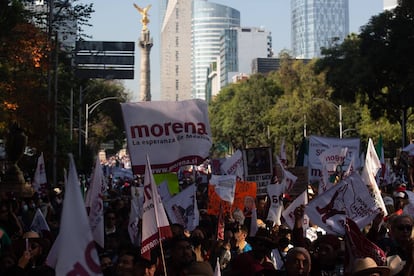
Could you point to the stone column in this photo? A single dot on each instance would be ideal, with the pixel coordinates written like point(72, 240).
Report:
point(145, 44)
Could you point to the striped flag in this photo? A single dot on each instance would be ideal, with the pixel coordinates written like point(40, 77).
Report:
point(155, 225)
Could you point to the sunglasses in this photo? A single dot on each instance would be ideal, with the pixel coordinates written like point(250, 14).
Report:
point(405, 227)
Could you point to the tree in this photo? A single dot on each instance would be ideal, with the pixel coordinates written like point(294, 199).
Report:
point(305, 105)
point(377, 64)
point(238, 114)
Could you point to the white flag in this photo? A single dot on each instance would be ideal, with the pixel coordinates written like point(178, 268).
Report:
point(40, 179)
point(155, 225)
point(180, 208)
point(253, 223)
point(135, 215)
point(288, 179)
point(39, 222)
point(94, 202)
point(288, 213)
point(217, 271)
point(234, 165)
point(224, 186)
point(349, 198)
point(75, 248)
point(369, 173)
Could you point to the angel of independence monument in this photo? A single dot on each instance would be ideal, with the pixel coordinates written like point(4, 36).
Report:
point(145, 43)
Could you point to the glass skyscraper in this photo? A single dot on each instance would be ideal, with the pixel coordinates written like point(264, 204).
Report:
point(209, 20)
point(316, 24)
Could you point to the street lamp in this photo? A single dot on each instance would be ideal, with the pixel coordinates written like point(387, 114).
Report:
point(339, 108)
point(89, 108)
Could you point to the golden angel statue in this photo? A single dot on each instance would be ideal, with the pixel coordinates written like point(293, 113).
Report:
point(144, 13)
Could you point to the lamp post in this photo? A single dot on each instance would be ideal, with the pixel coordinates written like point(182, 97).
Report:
point(339, 108)
point(89, 108)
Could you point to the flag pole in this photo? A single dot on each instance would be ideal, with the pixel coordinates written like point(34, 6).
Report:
point(162, 253)
point(155, 197)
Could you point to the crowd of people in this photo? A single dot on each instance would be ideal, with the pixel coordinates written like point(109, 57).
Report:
point(273, 250)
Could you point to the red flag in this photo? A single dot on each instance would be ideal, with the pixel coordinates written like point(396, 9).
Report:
point(220, 224)
point(155, 225)
point(358, 246)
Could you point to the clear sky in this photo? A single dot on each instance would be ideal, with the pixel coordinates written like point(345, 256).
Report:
point(120, 21)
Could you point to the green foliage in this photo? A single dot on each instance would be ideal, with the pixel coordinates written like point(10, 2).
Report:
point(377, 66)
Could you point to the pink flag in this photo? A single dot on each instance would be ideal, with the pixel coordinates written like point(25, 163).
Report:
point(371, 168)
point(94, 203)
point(75, 248)
point(40, 180)
point(155, 225)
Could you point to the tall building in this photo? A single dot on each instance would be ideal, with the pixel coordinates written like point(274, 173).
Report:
point(209, 20)
point(390, 4)
point(316, 24)
point(239, 47)
point(175, 50)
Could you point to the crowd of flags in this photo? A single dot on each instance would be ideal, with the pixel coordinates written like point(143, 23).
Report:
point(82, 221)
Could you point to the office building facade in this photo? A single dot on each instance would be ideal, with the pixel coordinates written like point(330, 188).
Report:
point(317, 24)
point(209, 20)
point(175, 50)
point(239, 47)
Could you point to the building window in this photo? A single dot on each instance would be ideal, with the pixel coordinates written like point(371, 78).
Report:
point(176, 55)
point(176, 70)
point(176, 41)
point(176, 85)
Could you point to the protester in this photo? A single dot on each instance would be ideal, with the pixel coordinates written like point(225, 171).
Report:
point(181, 256)
point(327, 257)
point(240, 243)
point(31, 250)
point(127, 262)
point(368, 267)
point(107, 265)
point(256, 261)
point(298, 262)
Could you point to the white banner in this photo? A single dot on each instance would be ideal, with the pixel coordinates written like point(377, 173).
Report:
point(181, 208)
point(234, 165)
point(275, 193)
point(173, 134)
point(349, 198)
point(317, 145)
point(225, 186)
